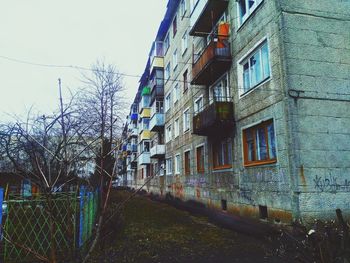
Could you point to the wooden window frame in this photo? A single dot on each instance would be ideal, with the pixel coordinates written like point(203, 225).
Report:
point(254, 128)
point(187, 162)
point(215, 147)
point(200, 168)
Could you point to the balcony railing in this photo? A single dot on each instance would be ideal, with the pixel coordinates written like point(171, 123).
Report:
point(212, 63)
point(157, 122)
point(133, 132)
point(215, 120)
point(158, 151)
point(206, 14)
point(144, 158)
point(145, 135)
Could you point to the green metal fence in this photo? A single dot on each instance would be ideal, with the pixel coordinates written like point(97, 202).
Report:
point(63, 221)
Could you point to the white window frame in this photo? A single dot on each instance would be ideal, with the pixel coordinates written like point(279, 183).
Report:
point(186, 117)
point(168, 134)
point(240, 64)
point(177, 163)
point(175, 62)
point(182, 8)
point(166, 43)
point(167, 102)
point(176, 93)
point(184, 42)
point(224, 90)
point(176, 127)
point(196, 109)
point(167, 71)
point(169, 161)
point(249, 11)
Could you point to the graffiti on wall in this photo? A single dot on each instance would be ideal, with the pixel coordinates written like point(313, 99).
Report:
point(246, 196)
point(331, 184)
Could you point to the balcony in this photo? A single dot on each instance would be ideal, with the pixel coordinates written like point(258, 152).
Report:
point(158, 151)
point(134, 117)
point(157, 92)
point(156, 55)
point(206, 14)
point(145, 113)
point(157, 82)
point(157, 122)
point(212, 63)
point(145, 135)
point(128, 147)
point(144, 158)
point(133, 132)
point(215, 120)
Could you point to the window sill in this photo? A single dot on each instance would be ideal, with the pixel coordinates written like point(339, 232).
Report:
point(224, 167)
point(260, 163)
point(184, 52)
point(186, 131)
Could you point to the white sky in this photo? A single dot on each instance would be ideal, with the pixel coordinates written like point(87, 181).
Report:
point(70, 32)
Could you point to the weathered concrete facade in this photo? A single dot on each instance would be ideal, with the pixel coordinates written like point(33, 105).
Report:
point(287, 156)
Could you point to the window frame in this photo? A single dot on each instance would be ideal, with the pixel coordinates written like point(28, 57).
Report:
point(177, 160)
point(184, 43)
point(200, 169)
point(246, 57)
point(185, 80)
point(218, 146)
point(167, 105)
point(167, 72)
point(187, 163)
point(183, 8)
point(175, 59)
point(176, 93)
point(176, 127)
point(171, 166)
point(249, 11)
point(186, 117)
point(200, 98)
point(168, 134)
point(166, 44)
point(174, 25)
point(254, 128)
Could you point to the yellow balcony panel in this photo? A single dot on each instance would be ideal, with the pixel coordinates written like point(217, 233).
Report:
point(157, 62)
point(145, 135)
point(145, 113)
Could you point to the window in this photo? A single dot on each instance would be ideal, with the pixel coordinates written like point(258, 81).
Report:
point(157, 107)
point(259, 145)
point(176, 93)
point(184, 42)
point(193, 3)
point(220, 91)
point(185, 80)
point(182, 8)
point(169, 166)
point(166, 43)
point(187, 160)
point(175, 25)
point(186, 119)
point(177, 164)
point(198, 105)
point(256, 68)
point(200, 159)
point(222, 154)
point(246, 8)
point(144, 146)
point(168, 135)
point(175, 59)
point(167, 72)
point(177, 128)
point(167, 102)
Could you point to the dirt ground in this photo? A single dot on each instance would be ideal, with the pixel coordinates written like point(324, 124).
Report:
point(151, 231)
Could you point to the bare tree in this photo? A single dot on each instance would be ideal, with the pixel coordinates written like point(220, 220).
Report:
point(102, 107)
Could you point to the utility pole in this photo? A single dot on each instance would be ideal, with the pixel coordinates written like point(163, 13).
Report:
point(63, 126)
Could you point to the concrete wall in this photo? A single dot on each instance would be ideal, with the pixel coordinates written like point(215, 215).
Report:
point(317, 58)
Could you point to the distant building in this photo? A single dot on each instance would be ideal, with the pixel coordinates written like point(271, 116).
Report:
point(253, 112)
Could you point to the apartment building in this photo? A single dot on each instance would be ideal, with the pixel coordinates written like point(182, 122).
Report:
point(255, 106)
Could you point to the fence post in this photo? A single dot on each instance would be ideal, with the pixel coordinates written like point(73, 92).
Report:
point(81, 215)
point(1, 200)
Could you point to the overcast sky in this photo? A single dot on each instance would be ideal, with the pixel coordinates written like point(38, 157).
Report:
point(70, 32)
